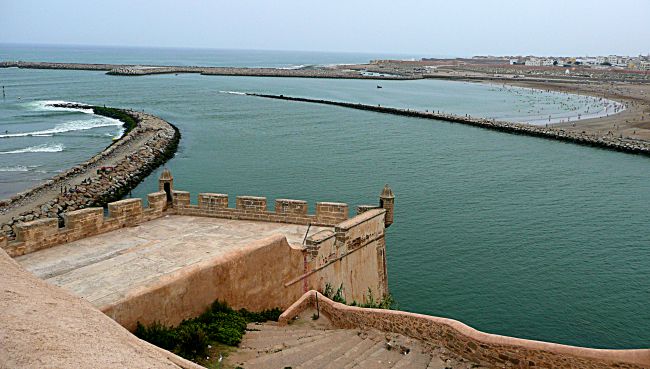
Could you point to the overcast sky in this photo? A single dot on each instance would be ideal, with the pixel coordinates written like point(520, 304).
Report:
point(451, 27)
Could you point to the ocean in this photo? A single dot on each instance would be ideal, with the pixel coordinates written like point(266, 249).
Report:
point(509, 234)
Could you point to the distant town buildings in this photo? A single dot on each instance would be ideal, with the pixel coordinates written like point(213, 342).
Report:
point(640, 62)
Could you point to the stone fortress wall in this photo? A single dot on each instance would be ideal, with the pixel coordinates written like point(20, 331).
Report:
point(268, 273)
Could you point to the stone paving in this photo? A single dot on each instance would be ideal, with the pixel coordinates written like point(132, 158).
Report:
point(103, 269)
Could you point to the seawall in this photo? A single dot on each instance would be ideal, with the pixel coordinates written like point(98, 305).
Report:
point(488, 349)
point(108, 176)
point(580, 138)
point(142, 70)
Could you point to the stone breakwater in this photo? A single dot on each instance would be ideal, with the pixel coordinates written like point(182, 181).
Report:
point(582, 138)
point(107, 176)
point(141, 70)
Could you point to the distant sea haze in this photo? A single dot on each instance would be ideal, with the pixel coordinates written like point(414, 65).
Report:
point(513, 235)
point(187, 57)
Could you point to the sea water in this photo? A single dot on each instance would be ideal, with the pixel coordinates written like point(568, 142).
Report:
point(510, 234)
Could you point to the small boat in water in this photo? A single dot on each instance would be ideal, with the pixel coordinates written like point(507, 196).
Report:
point(378, 86)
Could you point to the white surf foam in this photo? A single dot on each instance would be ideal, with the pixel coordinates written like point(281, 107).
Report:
point(233, 92)
point(36, 149)
point(74, 125)
point(294, 67)
point(14, 168)
point(46, 105)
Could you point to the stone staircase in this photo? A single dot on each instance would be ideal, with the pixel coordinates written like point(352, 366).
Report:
point(311, 344)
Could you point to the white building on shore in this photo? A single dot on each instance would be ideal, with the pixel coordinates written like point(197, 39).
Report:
point(539, 62)
point(533, 62)
point(548, 62)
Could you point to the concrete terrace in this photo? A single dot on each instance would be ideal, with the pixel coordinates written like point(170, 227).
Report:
point(103, 269)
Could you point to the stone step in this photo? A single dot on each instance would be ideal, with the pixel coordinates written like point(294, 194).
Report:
point(277, 342)
point(274, 327)
point(414, 359)
point(380, 359)
point(351, 354)
point(363, 355)
point(294, 356)
point(296, 333)
point(437, 363)
point(330, 354)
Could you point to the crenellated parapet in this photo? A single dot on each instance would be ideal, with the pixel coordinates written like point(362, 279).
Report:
point(256, 208)
point(339, 244)
point(78, 224)
point(43, 233)
point(308, 252)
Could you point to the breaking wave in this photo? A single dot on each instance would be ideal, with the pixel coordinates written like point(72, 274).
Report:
point(46, 105)
point(38, 148)
point(14, 168)
point(233, 92)
point(74, 125)
point(295, 67)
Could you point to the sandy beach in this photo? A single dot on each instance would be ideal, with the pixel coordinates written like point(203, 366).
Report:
point(632, 123)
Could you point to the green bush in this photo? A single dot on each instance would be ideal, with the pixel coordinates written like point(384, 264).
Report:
point(262, 316)
point(192, 342)
point(157, 334)
point(190, 339)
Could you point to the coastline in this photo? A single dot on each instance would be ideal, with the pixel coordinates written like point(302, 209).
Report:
point(574, 116)
point(627, 130)
point(146, 143)
point(581, 138)
point(633, 123)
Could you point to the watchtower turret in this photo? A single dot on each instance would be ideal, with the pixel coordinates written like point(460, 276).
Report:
point(166, 184)
point(387, 201)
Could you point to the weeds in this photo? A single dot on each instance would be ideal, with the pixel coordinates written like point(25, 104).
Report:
point(191, 338)
point(388, 302)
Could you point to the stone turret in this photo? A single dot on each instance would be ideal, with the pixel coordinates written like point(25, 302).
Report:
point(166, 184)
point(387, 201)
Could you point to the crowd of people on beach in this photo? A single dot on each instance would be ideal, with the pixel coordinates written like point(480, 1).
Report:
point(537, 106)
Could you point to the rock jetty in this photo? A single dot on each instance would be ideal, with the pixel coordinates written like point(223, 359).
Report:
point(107, 176)
point(142, 70)
point(609, 142)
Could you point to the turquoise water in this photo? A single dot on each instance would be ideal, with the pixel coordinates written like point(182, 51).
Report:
point(512, 235)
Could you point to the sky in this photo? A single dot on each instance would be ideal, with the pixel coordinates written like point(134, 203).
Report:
point(426, 28)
